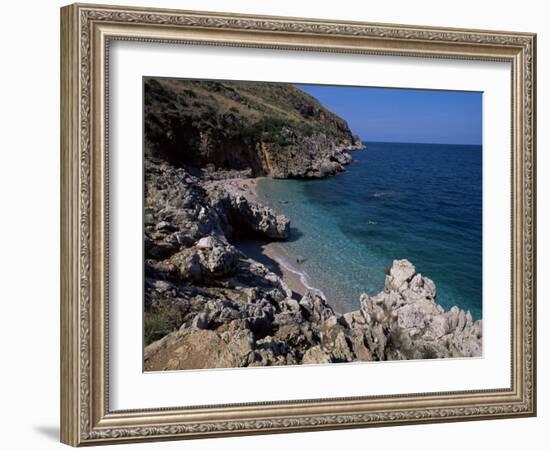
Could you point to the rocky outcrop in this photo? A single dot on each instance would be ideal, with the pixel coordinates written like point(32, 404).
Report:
point(238, 215)
point(201, 349)
point(179, 211)
point(190, 264)
point(307, 157)
point(405, 321)
point(401, 322)
point(270, 129)
point(210, 257)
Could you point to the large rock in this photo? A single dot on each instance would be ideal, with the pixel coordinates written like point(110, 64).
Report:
point(401, 272)
point(199, 349)
point(259, 219)
point(316, 355)
point(405, 322)
point(316, 307)
point(209, 258)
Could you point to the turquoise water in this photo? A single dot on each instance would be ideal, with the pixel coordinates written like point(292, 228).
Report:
point(422, 202)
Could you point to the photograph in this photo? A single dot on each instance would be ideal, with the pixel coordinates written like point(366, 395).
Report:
point(288, 224)
point(288, 221)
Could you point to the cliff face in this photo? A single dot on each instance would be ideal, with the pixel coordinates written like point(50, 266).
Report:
point(270, 128)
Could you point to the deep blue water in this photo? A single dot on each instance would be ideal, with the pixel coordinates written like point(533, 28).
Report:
point(422, 202)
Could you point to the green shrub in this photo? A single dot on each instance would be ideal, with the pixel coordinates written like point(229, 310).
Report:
point(159, 322)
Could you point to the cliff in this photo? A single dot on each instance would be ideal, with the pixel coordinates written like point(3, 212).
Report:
point(271, 129)
point(209, 305)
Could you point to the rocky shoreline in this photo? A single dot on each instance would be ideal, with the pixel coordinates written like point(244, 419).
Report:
point(267, 252)
point(207, 304)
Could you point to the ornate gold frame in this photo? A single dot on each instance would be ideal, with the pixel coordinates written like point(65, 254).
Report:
point(86, 31)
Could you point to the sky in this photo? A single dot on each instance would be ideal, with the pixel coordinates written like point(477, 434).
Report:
point(405, 115)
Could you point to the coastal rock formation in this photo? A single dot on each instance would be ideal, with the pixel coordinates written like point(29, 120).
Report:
point(209, 257)
point(402, 322)
point(191, 267)
point(206, 303)
point(180, 209)
point(209, 305)
point(237, 215)
point(405, 322)
point(271, 129)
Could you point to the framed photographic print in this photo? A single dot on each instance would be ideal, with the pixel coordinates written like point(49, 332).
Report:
point(277, 224)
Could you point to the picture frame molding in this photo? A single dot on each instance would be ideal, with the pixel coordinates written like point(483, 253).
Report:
point(86, 32)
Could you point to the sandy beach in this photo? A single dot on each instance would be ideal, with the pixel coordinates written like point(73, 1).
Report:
point(238, 186)
point(291, 273)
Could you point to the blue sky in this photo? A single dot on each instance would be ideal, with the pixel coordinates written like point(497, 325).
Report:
point(405, 115)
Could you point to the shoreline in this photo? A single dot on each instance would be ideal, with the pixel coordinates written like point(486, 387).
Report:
point(268, 253)
point(251, 317)
point(272, 257)
point(296, 279)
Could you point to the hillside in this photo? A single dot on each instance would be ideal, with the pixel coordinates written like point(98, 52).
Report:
point(272, 129)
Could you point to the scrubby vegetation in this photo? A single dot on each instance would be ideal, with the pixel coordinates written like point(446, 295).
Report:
point(159, 320)
point(201, 121)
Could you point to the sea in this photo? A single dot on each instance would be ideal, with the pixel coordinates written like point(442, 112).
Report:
point(421, 202)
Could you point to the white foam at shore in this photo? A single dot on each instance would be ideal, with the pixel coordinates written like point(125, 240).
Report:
point(303, 276)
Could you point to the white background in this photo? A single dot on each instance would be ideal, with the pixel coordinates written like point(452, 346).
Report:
point(132, 389)
point(30, 222)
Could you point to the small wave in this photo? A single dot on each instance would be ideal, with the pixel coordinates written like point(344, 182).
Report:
point(379, 194)
point(303, 277)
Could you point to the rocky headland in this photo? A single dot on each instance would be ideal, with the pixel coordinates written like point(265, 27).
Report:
point(208, 304)
point(265, 129)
